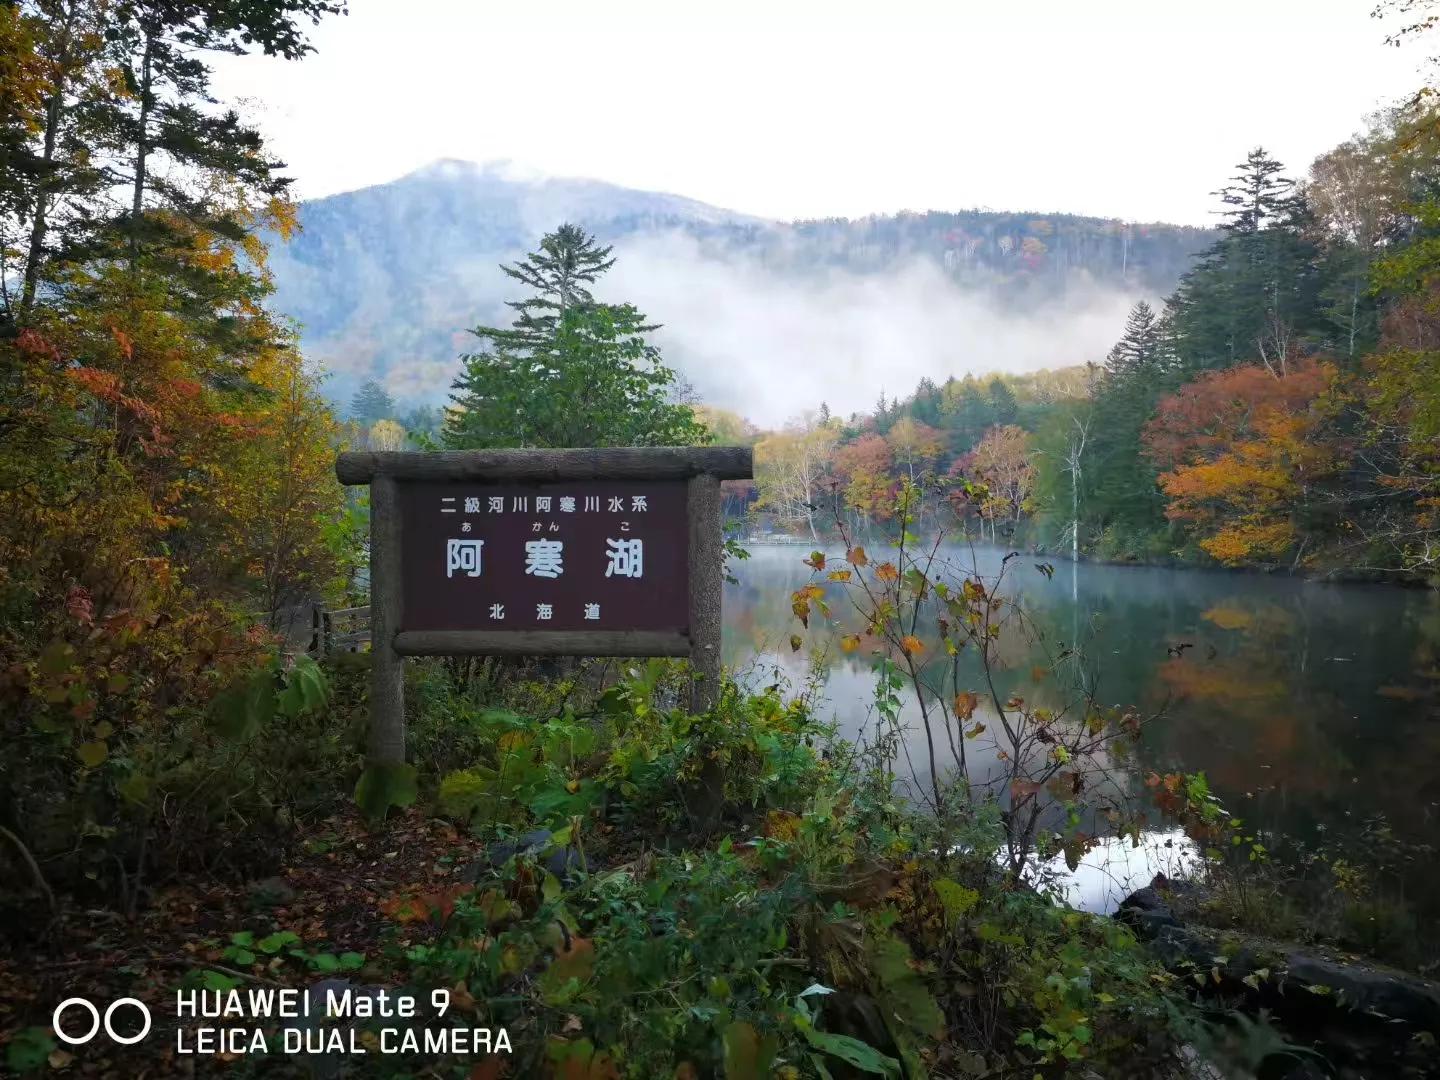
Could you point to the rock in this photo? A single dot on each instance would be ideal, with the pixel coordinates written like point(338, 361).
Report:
point(1146, 911)
point(563, 862)
point(271, 892)
point(1294, 980)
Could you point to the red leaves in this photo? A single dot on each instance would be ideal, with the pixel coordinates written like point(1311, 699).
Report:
point(36, 347)
point(79, 605)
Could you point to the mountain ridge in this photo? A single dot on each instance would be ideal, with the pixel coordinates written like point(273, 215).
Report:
point(384, 280)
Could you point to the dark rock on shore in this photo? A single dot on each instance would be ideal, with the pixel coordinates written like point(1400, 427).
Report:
point(1356, 1012)
point(563, 862)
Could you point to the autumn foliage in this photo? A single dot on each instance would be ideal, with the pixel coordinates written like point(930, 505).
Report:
point(1241, 453)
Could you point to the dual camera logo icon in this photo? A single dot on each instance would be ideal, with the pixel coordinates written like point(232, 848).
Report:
point(96, 1022)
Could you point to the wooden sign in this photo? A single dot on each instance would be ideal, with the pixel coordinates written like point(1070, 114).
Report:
point(612, 552)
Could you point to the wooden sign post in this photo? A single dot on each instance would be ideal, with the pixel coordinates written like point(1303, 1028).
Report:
point(541, 553)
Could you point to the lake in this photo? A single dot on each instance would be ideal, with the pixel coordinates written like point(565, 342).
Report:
point(1309, 706)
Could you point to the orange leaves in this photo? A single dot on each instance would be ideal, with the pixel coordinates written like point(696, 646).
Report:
point(966, 703)
point(122, 339)
point(1023, 790)
point(1241, 451)
point(418, 907)
point(910, 645)
point(405, 909)
point(574, 958)
point(886, 572)
point(856, 556)
point(1203, 419)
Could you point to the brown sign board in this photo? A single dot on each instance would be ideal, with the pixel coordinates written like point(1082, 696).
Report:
point(576, 555)
point(587, 552)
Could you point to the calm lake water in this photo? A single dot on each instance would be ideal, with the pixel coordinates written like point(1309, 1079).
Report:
point(1309, 706)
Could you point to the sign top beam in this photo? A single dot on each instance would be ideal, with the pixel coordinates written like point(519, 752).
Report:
point(619, 463)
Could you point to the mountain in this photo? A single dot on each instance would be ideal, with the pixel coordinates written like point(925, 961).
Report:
point(384, 281)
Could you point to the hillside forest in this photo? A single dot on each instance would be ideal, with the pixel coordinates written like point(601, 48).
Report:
point(570, 851)
point(1277, 409)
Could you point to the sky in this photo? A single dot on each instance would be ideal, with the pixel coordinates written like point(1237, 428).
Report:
point(811, 108)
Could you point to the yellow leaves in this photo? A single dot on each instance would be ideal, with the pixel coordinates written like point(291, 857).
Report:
point(795, 642)
point(849, 643)
point(282, 217)
point(92, 754)
point(800, 602)
point(782, 825)
point(839, 575)
point(1228, 618)
point(856, 556)
point(911, 645)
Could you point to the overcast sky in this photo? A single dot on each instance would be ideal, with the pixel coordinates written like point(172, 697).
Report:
point(793, 108)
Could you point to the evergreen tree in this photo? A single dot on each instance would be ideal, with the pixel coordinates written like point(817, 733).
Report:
point(968, 417)
point(927, 404)
point(1255, 293)
point(569, 259)
point(884, 414)
point(1259, 195)
point(1004, 409)
point(371, 403)
point(1141, 347)
point(571, 371)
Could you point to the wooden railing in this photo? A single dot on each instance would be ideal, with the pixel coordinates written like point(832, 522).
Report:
point(339, 630)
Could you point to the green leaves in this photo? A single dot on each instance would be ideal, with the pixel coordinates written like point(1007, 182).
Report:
point(382, 786)
point(239, 712)
point(28, 1049)
point(273, 690)
point(305, 689)
point(955, 898)
point(861, 1055)
point(902, 990)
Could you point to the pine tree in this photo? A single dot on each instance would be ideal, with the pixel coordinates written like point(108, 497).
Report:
point(1141, 348)
point(371, 403)
point(1255, 293)
point(569, 259)
point(1260, 195)
point(1004, 409)
point(571, 371)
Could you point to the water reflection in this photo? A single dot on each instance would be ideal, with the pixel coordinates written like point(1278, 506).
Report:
point(1306, 704)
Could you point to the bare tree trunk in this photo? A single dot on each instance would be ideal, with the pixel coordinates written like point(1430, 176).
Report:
point(39, 225)
point(141, 151)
